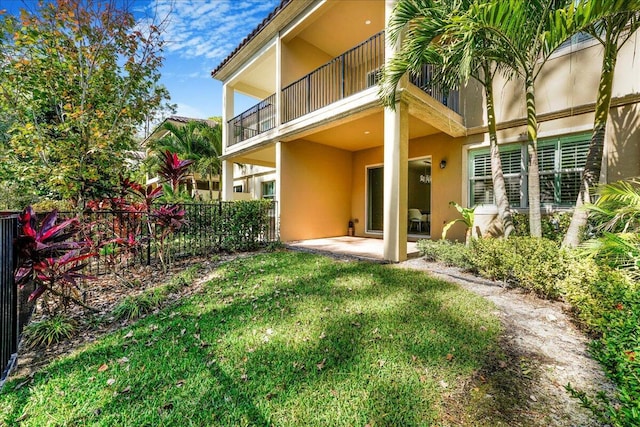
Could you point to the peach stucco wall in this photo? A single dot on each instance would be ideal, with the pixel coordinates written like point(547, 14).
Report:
point(446, 183)
point(316, 191)
point(300, 58)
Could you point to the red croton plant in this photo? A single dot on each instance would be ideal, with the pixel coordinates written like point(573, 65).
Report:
point(50, 257)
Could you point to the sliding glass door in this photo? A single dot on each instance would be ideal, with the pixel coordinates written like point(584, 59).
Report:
point(375, 198)
point(418, 197)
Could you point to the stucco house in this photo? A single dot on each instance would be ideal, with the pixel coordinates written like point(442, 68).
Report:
point(247, 178)
point(339, 156)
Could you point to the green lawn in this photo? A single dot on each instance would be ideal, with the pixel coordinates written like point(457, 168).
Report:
point(276, 339)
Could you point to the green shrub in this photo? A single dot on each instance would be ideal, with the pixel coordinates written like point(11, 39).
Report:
point(618, 351)
point(48, 331)
point(45, 206)
point(534, 264)
point(244, 224)
point(449, 253)
point(607, 303)
point(554, 226)
point(593, 291)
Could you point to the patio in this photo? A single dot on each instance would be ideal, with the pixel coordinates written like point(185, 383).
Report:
point(361, 247)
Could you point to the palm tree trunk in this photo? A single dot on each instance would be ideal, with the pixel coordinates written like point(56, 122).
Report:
point(499, 189)
point(535, 217)
point(593, 165)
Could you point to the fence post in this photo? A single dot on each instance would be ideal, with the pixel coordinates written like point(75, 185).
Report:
point(9, 325)
point(148, 227)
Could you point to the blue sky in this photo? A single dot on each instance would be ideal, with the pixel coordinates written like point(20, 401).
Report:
point(199, 34)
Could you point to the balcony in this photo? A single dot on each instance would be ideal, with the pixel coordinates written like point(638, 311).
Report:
point(354, 71)
point(424, 80)
point(254, 121)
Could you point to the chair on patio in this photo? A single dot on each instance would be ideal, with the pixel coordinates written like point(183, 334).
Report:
point(415, 218)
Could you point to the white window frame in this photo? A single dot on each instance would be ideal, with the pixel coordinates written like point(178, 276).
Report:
point(559, 141)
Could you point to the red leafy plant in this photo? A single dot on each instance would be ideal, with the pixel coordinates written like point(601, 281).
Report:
point(168, 219)
point(51, 258)
point(172, 169)
point(124, 224)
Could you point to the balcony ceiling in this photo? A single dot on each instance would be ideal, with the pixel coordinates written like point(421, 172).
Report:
point(259, 79)
point(352, 135)
point(341, 25)
point(263, 156)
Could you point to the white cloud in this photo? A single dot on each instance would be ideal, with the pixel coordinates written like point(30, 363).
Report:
point(208, 30)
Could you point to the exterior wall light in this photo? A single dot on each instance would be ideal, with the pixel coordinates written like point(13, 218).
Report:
point(443, 164)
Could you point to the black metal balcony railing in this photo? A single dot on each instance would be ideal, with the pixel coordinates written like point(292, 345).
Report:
point(257, 119)
point(352, 72)
point(424, 80)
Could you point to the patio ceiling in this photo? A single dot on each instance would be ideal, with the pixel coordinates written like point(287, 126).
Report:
point(365, 132)
point(264, 156)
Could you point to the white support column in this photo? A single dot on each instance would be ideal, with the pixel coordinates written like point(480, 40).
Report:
point(396, 152)
point(227, 180)
point(278, 184)
point(278, 81)
point(227, 114)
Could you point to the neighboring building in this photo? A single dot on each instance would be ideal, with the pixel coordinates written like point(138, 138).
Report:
point(248, 179)
point(313, 66)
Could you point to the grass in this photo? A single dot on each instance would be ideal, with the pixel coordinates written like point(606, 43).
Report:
point(135, 306)
point(285, 339)
point(48, 331)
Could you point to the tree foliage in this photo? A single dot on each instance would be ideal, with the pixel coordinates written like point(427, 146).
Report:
point(77, 79)
point(197, 141)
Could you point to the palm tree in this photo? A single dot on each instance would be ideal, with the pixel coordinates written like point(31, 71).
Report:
point(431, 37)
point(197, 141)
point(617, 215)
point(531, 31)
point(527, 32)
point(211, 163)
point(612, 32)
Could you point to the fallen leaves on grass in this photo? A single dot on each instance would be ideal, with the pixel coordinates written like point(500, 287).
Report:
point(321, 365)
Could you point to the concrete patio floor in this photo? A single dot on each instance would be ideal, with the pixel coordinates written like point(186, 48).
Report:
point(360, 247)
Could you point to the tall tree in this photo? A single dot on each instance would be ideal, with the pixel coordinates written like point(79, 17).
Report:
point(612, 32)
point(430, 36)
point(79, 77)
point(531, 31)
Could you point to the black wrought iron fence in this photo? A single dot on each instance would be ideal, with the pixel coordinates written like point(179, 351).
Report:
point(125, 238)
point(209, 228)
point(15, 309)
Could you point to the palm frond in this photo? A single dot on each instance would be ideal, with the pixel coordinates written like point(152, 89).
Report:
point(618, 250)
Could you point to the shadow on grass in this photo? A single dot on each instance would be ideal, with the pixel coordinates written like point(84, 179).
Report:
point(284, 338)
